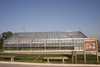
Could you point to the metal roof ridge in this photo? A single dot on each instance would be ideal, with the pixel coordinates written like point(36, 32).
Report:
point(48, 31)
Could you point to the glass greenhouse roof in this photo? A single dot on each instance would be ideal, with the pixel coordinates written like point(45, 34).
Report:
point(28, 36)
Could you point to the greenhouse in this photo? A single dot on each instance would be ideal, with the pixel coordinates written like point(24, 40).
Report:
point(45, 41)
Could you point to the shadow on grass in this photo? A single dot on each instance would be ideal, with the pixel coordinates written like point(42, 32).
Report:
point(67, 55)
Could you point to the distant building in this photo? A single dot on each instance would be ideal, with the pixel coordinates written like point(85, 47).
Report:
point(45, 41)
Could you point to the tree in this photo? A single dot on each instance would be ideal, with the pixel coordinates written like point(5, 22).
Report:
point(5, 35)
point(1, 44)
point(0, 37)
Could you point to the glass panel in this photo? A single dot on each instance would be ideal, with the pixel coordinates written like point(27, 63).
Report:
point(67, 48)
point(13, 48)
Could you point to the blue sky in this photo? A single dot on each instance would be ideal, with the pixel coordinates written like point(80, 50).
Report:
point(51, 15)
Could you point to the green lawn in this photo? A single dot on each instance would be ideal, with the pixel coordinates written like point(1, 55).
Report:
point(19, 57)
point(91, 59)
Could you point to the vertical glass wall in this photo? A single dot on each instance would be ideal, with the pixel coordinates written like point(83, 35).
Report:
point(45, 45)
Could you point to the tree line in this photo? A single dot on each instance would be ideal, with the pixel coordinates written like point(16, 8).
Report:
point(4, 36)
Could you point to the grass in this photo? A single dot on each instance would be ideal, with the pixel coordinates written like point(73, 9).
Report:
point(19, 57)
point(91, 59)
